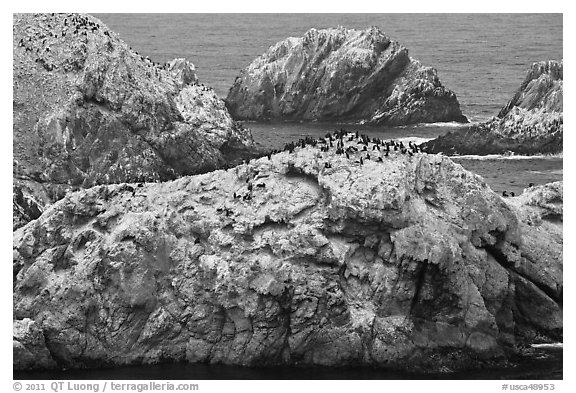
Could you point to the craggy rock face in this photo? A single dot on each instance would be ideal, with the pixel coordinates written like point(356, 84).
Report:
point(340, 74)
point(532, 121)
point(89, 110)
point(540, 210)
point(410, 263)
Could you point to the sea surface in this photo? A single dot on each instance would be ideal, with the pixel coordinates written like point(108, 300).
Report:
point(483, 58)
point(544, 363)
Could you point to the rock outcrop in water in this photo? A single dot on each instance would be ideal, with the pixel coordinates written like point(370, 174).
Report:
point(531, 123)
point(341, 74)
point(88, 110)
point(303, 258)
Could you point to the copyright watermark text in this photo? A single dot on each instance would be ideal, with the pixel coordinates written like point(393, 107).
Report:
point(73, 386)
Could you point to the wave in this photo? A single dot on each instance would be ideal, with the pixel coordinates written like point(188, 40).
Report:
point(414, 139)
point(548, 345)
point(450, 124)
point(551, 172)
point(509, 157)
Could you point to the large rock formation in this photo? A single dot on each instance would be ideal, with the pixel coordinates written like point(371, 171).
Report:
point(88, 110)
point(341, 74)
point(531, 122)
point(409, 263)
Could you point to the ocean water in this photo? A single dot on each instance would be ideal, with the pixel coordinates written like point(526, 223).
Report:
point(543, 363)
point(483, 58)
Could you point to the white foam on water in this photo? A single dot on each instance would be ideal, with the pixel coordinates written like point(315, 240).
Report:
point(550, 172)
point(509, 157)
point(449, 124)
point(550, 345)
point(414, 139)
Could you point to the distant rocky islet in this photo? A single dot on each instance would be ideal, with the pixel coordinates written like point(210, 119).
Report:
point(531, 122)
point(335, 251)
point(341, 75)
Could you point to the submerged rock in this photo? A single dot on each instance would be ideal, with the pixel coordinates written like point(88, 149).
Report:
point(88, 110)
point(531, 122)
point(409, 263)
point(341, 74)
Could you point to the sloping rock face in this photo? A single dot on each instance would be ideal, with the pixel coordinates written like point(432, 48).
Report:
point(410, 263)
point(540, 213)
point(89, 110)
point(531, 122)
point(341, 74)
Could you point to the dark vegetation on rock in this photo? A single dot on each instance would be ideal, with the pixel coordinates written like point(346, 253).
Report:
point(306, 257)
point(531, 122)
point(87, 110)
point(345, 75)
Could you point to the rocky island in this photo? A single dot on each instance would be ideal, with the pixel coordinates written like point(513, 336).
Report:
point(87, 110)
point(325, 253)
point(341, 75)
point(530, 123)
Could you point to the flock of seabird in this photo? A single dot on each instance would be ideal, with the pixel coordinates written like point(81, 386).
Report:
point(72, 24)
point(366, 148)
point(380, 149)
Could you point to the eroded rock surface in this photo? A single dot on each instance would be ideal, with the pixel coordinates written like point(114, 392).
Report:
point(88, 110)
point(540, 212)
point(531, 122)
point(410, 263)
point(341, 74)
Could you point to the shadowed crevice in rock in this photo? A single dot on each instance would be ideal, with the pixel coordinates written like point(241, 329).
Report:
point(420, 281)
point(500, 257)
